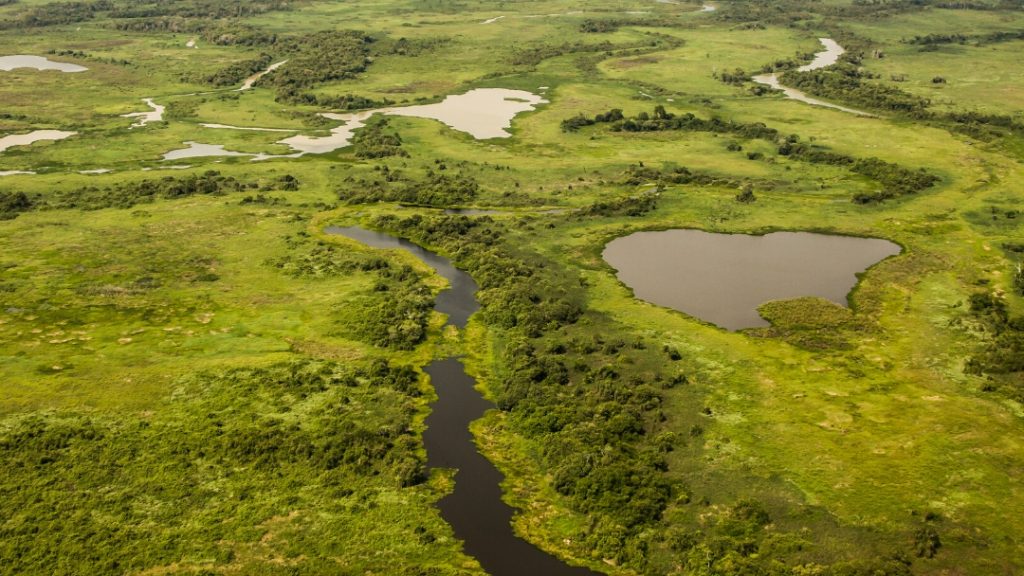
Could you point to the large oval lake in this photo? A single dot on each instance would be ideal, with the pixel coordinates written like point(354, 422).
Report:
point(723, 278)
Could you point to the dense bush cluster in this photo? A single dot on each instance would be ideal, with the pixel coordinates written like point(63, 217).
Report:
point(61, 13)
point(396, 312)
point(535, 55)
point(628, 206)
point(435, 189)
point(128, 194)
point(343, 102)
point(312, 60)
point(376, 141)
point(1003, 350)
point(956, 38)
point(235, 73)
point(896, 180)
point(517, 289)
point(638, 174)
point(56, 13)
point(562, 385)
point(207, 9)
point(219, 32)
point(317, 58)
point(604, 25)
point(845, 82)
point(13, 203)
point(794, 12)
point(201, 473)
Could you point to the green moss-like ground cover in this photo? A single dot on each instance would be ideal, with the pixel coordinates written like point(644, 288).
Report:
point(193, 384)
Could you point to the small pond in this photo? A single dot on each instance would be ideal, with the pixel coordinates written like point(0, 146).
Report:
point(8, 63)
point(723, 278)
point(482, 113)
point(32, 137)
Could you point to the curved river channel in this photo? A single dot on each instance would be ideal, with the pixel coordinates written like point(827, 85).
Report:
point(475, 510)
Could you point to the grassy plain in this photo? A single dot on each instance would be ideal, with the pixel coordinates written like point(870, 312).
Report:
point(128, 318)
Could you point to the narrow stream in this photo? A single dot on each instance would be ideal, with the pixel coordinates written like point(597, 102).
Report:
point(474, 509)
point(827, 57)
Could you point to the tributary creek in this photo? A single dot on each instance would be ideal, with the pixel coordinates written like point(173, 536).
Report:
point(474, 509)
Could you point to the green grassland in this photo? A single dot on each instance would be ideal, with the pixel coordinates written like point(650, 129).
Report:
point(204, 382)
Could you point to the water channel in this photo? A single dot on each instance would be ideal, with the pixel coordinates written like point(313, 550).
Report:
point(827, 57)
point(474, 509)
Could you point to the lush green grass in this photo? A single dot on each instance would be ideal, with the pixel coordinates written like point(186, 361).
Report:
point(850, 428)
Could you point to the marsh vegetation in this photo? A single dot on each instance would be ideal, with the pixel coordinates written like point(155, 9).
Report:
point(200, 378)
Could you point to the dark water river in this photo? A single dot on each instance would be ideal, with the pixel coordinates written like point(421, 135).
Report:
point(723, 278)
point(475, 510)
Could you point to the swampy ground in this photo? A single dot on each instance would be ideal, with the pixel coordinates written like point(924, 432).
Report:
point(196, 379)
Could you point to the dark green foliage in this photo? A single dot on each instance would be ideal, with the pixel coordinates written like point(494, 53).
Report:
point(517, 289)
point(735, 77)
point(795, 12)
point(628, 206)
point(661, 120)
point(325, 260)
point(59, 13)
point(895, 179)
point(1002, 350)
point(375, 141)
point(56, 13)
point(412, 47)
point(746, 195)
point(399, 320)
point(604, 25)
point(533, 56)
point(312, 60)
point(845, 82)
point(209, 9)
point(218, 32)
point(235, 73)
point(956, 38)
point(13, 203)
point(201, 474)
point(639, 174)
point(926, 542)
point(343, 102)
point(436, 189)
point(576, 122)
point(129, 194)
point(393, 315)
point(580, 120)
point(598, 26)
point(317, 58)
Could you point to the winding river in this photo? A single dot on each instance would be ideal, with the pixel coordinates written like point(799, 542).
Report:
point(474, 509)
point(827, 57)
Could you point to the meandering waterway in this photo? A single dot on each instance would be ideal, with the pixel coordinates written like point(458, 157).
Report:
point(155, 114)
point(474, 509)
point(827, 57)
